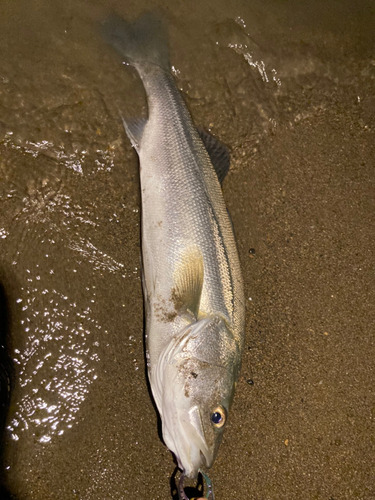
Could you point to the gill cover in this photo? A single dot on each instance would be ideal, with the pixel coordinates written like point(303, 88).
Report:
point(196, 380)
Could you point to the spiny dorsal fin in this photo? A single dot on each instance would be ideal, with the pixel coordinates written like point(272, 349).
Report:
point(218, 153)
point(188, 279)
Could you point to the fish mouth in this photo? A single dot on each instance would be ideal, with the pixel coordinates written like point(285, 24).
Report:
point(207, 459)
point(190, 450)
point(191, 470)
point(196, 458)
point(199, 453)
point(203, 459)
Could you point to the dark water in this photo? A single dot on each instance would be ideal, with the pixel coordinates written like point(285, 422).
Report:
point(289, 86)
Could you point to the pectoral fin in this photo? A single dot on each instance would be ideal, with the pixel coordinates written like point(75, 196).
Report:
point(134, 130)
point(188, 278)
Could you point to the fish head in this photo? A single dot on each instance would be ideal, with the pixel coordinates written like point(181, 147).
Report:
point(199, 383)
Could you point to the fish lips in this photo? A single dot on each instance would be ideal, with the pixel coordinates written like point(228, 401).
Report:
point(189, 443)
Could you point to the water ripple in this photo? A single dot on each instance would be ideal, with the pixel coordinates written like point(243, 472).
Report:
point(57, 364)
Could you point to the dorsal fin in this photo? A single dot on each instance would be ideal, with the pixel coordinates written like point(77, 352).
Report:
point(218, 153)
point(188, 279)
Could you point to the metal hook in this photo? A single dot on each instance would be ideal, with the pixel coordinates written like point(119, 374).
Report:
point(181, 491)
point(210, 490)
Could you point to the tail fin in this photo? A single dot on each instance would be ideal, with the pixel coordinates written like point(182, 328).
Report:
point(141, 42)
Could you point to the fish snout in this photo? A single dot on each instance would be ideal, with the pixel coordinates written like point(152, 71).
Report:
point(205, 461)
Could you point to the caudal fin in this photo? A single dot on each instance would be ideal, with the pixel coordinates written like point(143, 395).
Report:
point(142, 42)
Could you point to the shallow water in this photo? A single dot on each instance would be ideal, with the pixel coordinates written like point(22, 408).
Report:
point(290, 88)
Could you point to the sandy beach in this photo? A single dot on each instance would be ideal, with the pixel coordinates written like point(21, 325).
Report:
point(290, 88)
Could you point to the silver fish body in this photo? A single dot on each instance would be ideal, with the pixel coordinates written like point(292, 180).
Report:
point(193, 289)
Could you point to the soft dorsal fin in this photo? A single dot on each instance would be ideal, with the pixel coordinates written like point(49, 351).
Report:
point(188, 279)
point(134, 130)
point(218, 153)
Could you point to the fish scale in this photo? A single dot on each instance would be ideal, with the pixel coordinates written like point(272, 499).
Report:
point(199, 215)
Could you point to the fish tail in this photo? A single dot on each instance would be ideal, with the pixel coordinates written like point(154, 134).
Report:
point(141, 42)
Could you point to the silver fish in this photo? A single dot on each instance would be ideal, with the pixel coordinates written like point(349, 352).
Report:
point(193, 288)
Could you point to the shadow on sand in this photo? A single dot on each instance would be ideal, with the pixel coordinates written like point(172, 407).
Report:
point(6, 378)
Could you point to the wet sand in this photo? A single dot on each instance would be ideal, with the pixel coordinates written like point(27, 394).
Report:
point(290, 89)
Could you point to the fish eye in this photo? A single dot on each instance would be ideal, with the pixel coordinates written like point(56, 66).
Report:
point(219, 417)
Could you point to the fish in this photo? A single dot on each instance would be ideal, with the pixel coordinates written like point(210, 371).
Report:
point(191, 274)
